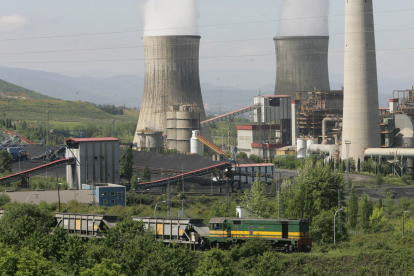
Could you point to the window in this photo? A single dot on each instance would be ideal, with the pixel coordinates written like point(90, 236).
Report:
point(105, 201)
point(105, 194)
point(237, 222)
point(120, 193)
point(112, 193)
point(112, 201)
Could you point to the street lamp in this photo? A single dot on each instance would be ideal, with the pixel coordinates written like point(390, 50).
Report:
point(140, 197)
point(403, 221)
point(155, 209)
point(29, 196)
point(340, 210)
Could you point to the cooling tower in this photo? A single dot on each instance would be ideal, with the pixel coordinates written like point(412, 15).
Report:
point(301, 64)
point(171, 78)
point(360, 122)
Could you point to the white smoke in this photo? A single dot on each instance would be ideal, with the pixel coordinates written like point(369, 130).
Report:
point(169, 17)
point(318, 10)
point(12, 22)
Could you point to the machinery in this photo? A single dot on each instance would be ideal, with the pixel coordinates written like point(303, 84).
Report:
point(285, 235)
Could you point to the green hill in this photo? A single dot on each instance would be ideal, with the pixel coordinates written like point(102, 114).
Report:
point(8, 89)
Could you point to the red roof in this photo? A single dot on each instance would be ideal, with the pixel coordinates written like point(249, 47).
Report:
point(395, 100)
point(255, 165)
point(254, 127)
point(97, 139)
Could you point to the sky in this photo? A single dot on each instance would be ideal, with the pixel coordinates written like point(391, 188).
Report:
point(222, 24)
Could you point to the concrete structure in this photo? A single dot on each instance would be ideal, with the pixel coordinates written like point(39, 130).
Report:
point(294, 120)
point(181, 121)
point(301, 64)
point(107, 194)
point(360, 120)
point(195, 144)
point(51, 196)
point(150, 140)
point(97, 160)
point(171, 78)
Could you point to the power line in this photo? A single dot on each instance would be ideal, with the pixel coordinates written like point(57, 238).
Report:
point(199, 26)
point(181, 44)
point(141, 59)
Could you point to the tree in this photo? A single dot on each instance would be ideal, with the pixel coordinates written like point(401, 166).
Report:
point(4, 199)
point(242, 154)
point(389, 203)
point(125, 164)
point(178, 187)
point(267, 265)
point(24, 262)
point(215, 263)
point(321, 230)
point(359, 164)
point(106, 268)
point(378, 180)
point(6, 161)
point(314, 189)
point(255, 202)
point(377, 219)
point(134, 182)
point(145, 175)
point(386, 170)
point(404, 203)
point(365, 211)
point(353, 208)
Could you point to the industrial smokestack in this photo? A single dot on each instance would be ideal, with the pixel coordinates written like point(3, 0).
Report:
point(301, 64)
point(171, 78)
point(360, 122)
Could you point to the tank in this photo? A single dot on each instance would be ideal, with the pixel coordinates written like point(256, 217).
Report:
point(195, 144)
point(301, 148)
point(171, 78)
point(181, 121)
point(301, 64)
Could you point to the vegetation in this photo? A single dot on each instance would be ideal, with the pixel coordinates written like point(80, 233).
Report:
point(125, 164)
point(6, 160)
point(146, 174)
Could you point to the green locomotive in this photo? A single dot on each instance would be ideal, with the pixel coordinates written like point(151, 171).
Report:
point(285, 235)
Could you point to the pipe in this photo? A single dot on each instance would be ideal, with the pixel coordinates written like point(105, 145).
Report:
point(324, 121)
point(389, 152)
point(322, 148)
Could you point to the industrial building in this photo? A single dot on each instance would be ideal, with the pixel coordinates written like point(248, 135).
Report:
point(96, 160)
point(106, 194)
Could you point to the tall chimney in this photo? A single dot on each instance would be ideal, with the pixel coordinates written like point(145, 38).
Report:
point(171, 78)
point(301, 64)
point(361, 122)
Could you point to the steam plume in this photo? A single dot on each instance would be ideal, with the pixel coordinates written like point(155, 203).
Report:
point(168, 17)
point(318, 25)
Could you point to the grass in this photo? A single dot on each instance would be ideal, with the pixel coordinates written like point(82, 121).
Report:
point(11, 90)
point(62, 114)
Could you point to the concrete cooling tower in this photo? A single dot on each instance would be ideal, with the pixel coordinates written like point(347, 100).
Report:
point(301, 64)
point(360, 120)
point(171, 78)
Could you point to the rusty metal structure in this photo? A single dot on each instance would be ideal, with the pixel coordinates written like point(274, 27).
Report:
point(314, 107)
point(405, 101)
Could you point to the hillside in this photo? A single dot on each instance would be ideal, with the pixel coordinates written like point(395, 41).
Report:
point(61, 113)
point(10, 90)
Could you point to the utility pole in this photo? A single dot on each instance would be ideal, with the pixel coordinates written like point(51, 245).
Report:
point(169, 196)
point(279, 201)
point(340, 213)
point(47, 136)
point(227, 195)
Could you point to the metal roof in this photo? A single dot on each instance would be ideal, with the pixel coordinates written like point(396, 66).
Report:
point(98, 139)
point(221, 220)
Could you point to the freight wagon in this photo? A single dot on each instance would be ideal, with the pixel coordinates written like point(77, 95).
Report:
point(285, 235)
point(181, 230)
point(85, 225)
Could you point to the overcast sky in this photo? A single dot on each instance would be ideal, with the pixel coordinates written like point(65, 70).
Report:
point(44, 18)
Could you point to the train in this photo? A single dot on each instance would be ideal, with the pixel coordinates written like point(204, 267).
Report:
point(283, 235)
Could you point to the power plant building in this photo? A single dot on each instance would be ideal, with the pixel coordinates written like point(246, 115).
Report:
point(301, 64)
point(360, 119)
point(171, 78)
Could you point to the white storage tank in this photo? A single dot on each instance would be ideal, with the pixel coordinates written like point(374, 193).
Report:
point(310, 142)
point(195, 144)
point(301, 148)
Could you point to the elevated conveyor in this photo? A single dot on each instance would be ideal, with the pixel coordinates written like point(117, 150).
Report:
point(209, 144)
point(38, 170)
point(24, 140)
point(179, 177)
point(229, 115)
